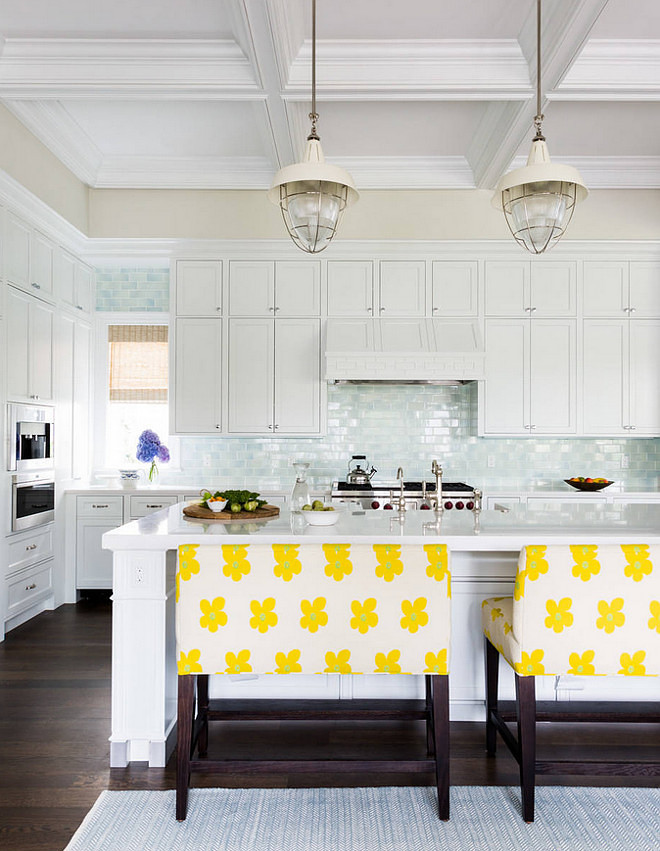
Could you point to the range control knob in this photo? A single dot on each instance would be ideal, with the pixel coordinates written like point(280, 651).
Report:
point(459, 505)
point(387, 506)
point(424, 507)
point(449, 504)
point(469, 505)
point(375, 504)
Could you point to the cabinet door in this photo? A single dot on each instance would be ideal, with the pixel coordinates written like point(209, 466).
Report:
point(40, 352)
point(42, 257)
point(18, 312)
point(604, 393)
point(350, 288)
point(552, 376)
point(65, 329)
point(644, 299)
point(297, 376)
point(506, 288)
point(506, 395)
point(93, 563)
point(297, 289)
point(251, 370)
point(82, 352)
point(553, 289)
point(605, 289)
point(251, 288)
point(199, 287)
point(644, 415)
point(17, 252)
point(197, 376)
point(84, 288)
point(455, 288)
point(65, 278)
point(402, 288)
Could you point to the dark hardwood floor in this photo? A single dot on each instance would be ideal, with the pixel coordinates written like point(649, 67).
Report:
point(55, 723)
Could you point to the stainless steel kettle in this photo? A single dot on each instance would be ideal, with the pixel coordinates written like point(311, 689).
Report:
point(356, 474)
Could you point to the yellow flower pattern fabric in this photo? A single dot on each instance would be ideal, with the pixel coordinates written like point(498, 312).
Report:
point(585, 610)
point(317, 608)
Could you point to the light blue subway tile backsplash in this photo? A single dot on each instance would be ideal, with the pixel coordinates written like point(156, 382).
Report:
point(394, 425)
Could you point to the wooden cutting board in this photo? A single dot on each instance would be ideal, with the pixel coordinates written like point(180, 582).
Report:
point(201, 512)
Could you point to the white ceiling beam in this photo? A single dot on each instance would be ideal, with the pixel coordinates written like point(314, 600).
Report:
point(566, 26)
point(618, 172)
point(184, 173)
point(616, 70)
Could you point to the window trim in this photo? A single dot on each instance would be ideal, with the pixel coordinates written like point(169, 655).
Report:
point(102, 320)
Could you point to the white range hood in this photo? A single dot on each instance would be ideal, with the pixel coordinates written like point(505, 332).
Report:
point(441, 351)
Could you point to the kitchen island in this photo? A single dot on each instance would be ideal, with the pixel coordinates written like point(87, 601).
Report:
point(484, 551)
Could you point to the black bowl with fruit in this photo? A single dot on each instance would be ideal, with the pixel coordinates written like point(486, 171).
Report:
point(588, 484)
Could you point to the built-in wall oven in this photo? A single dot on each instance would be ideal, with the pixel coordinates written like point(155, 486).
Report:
point(32, 500)
point(31, 437)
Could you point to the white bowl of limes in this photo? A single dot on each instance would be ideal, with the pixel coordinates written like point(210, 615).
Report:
point(318, 514)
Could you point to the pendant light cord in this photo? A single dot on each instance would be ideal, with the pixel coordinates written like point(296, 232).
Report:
point(538, 118)
point(313, 115)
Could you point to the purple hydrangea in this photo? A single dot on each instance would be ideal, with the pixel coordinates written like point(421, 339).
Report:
point(149, 448)
point(163, 453)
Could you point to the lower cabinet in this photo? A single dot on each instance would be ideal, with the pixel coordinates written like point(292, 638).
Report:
point(28, 587)
point(95, 516)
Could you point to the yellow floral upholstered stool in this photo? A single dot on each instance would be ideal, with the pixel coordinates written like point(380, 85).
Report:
point(583, 610)
point(287, 609)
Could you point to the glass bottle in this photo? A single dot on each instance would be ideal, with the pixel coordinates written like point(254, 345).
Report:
point(300, 492)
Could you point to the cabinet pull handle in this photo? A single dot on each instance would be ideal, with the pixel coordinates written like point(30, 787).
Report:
point(31, 587)
point(31, 547)
point(219, 309)
point(36, 286)
point(217, 426)
point(631, 309)
point(370, 310)
point(271, 309)
point(94, 505)
point(275, 427)
point(270, 426)
point(382, 310)
point(435, 309)
point(155, 506)
point(79, 307)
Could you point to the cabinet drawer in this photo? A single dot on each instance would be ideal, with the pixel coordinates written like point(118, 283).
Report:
point(29, 548)
point(140, 506)
point(100, 506)
point(28, 587)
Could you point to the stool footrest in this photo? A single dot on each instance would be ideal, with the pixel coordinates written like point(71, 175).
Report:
point(314, 766)
point(316, 710)
point(626, 769)
point(587, 710)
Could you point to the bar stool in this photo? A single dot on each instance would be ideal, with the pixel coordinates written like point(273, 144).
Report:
point(579, 610)
point(287, 609)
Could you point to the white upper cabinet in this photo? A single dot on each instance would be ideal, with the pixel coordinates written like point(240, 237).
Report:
point(29, 348)
point(455, 288)
point(42, 265)
point(283, 288)
point(297, 376)
point(251, 375)
point(620, 288)
point(530, 288)
point(350, 288)
point(17, 251)
point(74, 282)
point(197, 388)
point(504, 399)
point(402, 288)
point(552, 377)
point(199, 288)
point(644, 416)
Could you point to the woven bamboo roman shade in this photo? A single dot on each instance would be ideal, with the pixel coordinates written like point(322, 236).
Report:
point(138, 363)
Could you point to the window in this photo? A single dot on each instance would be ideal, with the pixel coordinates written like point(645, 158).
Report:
point(134, 361)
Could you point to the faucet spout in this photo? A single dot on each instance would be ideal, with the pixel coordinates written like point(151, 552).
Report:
point(402, 499)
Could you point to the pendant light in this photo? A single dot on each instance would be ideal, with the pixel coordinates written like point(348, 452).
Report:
point(312, 194)
point(538, 200)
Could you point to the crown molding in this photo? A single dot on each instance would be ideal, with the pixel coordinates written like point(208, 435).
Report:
point(611, 172)
point(610, 69)
point(408, 172)
point(126, 68)
point(184, 173)
point(419, 69)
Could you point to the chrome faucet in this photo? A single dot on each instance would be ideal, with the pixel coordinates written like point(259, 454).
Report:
point(436, 469)
point(402, 499)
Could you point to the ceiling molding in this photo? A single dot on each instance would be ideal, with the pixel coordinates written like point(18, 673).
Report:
point(53, 125)
point(126, 68)
point(609, 69)
point(504, 128)
point(408, 172)
point(417, 69)
point(611, 172)
point(184, 173)
point(288, 35)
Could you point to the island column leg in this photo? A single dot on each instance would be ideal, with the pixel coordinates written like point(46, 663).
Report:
point(143, 663)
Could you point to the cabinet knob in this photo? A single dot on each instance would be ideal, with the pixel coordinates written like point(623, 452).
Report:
point(370, 310)
point(217, 426)
point(31, 587)
point(79, 307)
point(276, 427)
point(31, 547)
point(632, 309)
point(435, 309)
point(382, 310)
point(36, 286)
point(219, 309)
point(270, 426)
point(271, 309)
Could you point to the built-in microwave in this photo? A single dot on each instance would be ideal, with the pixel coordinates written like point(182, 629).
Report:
point(32, 500)
point(31, 437)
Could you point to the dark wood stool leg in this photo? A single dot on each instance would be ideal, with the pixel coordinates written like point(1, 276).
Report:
point(186, 697)
point(440, 689)
point(203, 713)
point(430, 735)
point(492, 661)
point(526, 705)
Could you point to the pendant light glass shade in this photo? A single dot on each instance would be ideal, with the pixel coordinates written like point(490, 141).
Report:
point(312, 196)
point(538, 200)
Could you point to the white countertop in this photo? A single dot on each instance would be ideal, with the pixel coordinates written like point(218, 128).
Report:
point(496, 530)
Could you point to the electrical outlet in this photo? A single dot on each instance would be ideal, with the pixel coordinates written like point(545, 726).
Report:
point(625, 462)
point(491, 460)
point(206, 461)
point(139, 576)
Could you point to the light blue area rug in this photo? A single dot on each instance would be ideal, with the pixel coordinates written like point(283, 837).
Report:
point(485, 818)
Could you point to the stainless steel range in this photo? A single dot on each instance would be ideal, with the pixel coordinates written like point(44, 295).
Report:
point(387, 496)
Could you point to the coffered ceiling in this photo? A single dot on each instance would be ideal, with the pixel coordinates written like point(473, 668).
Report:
point(421, 94)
